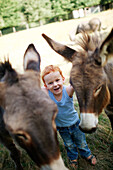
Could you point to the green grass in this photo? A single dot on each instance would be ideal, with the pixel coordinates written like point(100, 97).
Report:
point(100, 143)
point(6, 162)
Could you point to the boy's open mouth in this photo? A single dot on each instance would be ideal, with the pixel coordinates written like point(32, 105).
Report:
point(56, 88)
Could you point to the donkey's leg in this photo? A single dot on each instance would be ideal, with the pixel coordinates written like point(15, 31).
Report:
point(7, 141)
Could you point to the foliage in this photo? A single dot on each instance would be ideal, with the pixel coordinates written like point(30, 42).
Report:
point(85, 3)
point(17, 12)
point(9, 13)
point(61, 8)
point(103, 2)
point(35, 11)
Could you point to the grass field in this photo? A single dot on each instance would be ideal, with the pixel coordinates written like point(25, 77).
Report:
point(14, 46)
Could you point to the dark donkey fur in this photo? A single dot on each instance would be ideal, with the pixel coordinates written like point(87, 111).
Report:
point(7, 141)
point(29, 114)
point(91, 75)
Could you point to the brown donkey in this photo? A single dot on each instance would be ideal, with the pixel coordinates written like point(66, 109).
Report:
point(29, 113)
point(91, 75)
point(93, 25)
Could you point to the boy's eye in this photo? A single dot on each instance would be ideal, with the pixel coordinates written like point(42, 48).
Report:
point(50, 83)
point(57, 80)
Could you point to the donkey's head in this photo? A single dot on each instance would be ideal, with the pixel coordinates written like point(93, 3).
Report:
point(92, 26)
point(87, 76)
point(29, 112)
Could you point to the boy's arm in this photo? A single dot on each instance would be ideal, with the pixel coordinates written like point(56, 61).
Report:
point(70, 90)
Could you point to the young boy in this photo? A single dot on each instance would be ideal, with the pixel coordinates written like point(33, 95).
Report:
point(67, 120)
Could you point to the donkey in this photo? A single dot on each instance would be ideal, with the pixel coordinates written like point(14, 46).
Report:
point(29, 113)
point(92, 25)
point(91, 76)
point(7, 141)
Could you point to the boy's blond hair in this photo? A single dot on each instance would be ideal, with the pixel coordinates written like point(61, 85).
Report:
point(49, 69)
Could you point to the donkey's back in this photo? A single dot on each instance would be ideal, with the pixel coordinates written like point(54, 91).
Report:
point(90, 26)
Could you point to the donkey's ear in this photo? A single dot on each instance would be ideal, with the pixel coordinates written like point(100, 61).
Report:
point(63, 50)
point(32, 59)
point(106, 49)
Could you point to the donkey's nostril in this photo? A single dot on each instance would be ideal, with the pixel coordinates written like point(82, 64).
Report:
point(85, 130)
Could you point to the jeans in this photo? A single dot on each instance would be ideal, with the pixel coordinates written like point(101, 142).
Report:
point(74, 140)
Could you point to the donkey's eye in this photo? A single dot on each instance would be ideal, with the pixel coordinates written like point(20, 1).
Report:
point(97, 91)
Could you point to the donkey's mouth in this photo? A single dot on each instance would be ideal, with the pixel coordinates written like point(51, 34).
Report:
point(88, 123)
point(87, 130)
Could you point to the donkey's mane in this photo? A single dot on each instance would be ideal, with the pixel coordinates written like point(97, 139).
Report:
point(6, 65)
point(88, 42)
point(5, 68)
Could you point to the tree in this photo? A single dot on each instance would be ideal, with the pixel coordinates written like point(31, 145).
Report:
point(38, 12)
point(68, 6)
point(87, 3)
point(35, 10)
point(61, 8)
point(9, 13)
point(103, 2)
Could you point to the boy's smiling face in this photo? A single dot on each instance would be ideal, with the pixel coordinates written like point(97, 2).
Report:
point(54, 82)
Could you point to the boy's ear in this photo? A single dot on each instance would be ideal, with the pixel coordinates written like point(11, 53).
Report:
point(63, 78)
point(45, 85)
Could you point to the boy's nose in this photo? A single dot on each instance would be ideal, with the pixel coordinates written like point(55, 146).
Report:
point(55, 83)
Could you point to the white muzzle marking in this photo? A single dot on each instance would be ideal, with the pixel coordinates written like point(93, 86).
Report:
point(55, 165)
point(88, 121)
